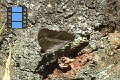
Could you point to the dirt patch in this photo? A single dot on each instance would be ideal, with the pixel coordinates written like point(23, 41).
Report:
point(70, 67)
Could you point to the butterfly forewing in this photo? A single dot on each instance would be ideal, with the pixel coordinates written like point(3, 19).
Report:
point(49, 39)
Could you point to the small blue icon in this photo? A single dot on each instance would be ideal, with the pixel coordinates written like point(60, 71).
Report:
point(16, 9)
point(16, 24)
point(17, 17)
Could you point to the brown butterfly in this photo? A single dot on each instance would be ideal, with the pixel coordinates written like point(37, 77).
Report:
point(54, 44)
point(50, 40)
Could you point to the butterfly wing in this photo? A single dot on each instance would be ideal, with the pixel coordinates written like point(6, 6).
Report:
point(49, 39)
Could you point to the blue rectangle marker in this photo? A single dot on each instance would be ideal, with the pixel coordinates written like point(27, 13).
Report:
point(16, 16)
point(16, 9)
point(16, 24)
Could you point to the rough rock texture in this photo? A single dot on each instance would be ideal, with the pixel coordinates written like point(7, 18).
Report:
point(96, 22)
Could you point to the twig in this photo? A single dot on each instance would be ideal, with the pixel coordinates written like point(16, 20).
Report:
point(7, 69)
point(3, 26)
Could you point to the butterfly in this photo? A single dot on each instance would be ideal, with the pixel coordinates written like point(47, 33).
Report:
point(51, 40)
point(54, 44)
